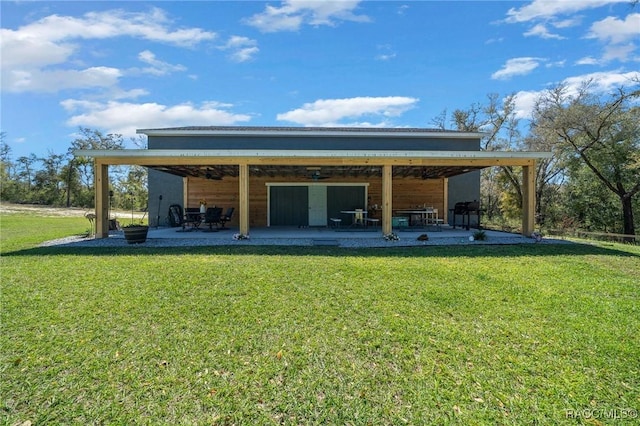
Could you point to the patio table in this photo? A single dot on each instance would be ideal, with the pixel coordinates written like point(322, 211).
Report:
point(354, 214)
point(194, 219)
point(427, 216)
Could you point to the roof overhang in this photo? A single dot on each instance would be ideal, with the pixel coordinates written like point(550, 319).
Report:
point(353, 163)
point(140, 156)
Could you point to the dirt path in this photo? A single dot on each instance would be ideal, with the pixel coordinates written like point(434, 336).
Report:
point(8, 208)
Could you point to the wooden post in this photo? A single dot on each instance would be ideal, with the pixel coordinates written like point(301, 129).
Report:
point(445, 203)
point(528, 199)
point(387, 207)
point(101, 183)
point(185, 192)
point(244, 199)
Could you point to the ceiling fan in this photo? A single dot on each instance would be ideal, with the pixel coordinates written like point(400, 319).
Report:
point(315, 173)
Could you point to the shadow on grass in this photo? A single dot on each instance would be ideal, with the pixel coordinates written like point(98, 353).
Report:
point(489, 250)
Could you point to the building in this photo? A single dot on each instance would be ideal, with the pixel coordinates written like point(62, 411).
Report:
point(303, 176)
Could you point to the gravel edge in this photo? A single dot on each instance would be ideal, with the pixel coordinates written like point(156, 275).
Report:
point(80, 241)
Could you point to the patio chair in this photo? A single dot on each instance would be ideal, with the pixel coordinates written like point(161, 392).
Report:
point(193, 217)
point(226, 217)
point(334, 222)
point(212, 216)
point(176, 217)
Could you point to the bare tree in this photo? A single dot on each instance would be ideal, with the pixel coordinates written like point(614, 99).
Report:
point(497, 119)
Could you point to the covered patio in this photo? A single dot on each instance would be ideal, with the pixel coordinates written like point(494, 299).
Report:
point(246, 162)
point(275, 176)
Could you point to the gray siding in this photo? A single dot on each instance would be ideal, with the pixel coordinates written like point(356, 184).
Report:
point(171, 189)
point(462, 188)
point(327, 143)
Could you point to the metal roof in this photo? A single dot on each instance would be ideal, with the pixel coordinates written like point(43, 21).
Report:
point(264, 131)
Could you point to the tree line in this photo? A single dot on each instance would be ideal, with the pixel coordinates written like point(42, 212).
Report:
point(591, 182)
point(64, 180)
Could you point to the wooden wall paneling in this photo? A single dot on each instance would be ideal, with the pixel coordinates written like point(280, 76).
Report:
point(407, 193)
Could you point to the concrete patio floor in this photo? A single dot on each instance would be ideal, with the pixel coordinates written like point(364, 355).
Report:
point(319, 236)
point(315, 232)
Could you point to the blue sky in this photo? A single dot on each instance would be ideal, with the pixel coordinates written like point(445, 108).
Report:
point(119, 66)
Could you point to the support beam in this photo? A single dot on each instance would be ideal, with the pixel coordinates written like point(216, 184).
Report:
point(101, 183)
point(185, 192)
point(387, 207)
point(445, 203)
point(528, 199)
point(244, 199)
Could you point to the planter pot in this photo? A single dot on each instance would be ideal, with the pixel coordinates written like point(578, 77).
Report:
point(135, 234)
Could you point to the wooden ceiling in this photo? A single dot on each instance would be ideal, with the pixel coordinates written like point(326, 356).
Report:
point(218, 172)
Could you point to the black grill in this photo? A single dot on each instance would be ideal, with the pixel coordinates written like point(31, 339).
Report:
point(466, 209)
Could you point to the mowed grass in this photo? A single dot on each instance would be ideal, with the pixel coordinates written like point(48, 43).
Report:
point(531, 334)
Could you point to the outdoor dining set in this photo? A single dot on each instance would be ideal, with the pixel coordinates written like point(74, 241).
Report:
point(193, 218)
point(214, 219)
point(410, 217)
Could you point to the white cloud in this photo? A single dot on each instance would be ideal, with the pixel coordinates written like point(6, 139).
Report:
point(127, 94)
point(557, 64)
point(541, 31)
point(153, 26)
point(587, 60)
point(551, 13)
point(494, 40)
point(32, 52)
point(273, 20)
point(622, 53)
point(386, 52)
point(545, 9)
point(385, 56)
point(158, 67)
point(244, 55)
point(517, 66)
point(524, 102)
point(292, 14)
point(20, 49)
point(125, 117)
point(56, 80)
point(243, 48)
point(566, 23)
point(616, 31)
point(328, 112)
point(601, 82)
point(617, 35)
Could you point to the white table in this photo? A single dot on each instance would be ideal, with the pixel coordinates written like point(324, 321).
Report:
point(355, 213)
point(427, 216)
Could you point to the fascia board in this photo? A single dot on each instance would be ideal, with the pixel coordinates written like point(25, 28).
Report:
point(248, 153)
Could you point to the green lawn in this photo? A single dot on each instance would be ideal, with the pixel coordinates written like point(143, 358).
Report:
point(531, 334)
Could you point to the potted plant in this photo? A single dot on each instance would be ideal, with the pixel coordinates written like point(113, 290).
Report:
point(135, 233)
